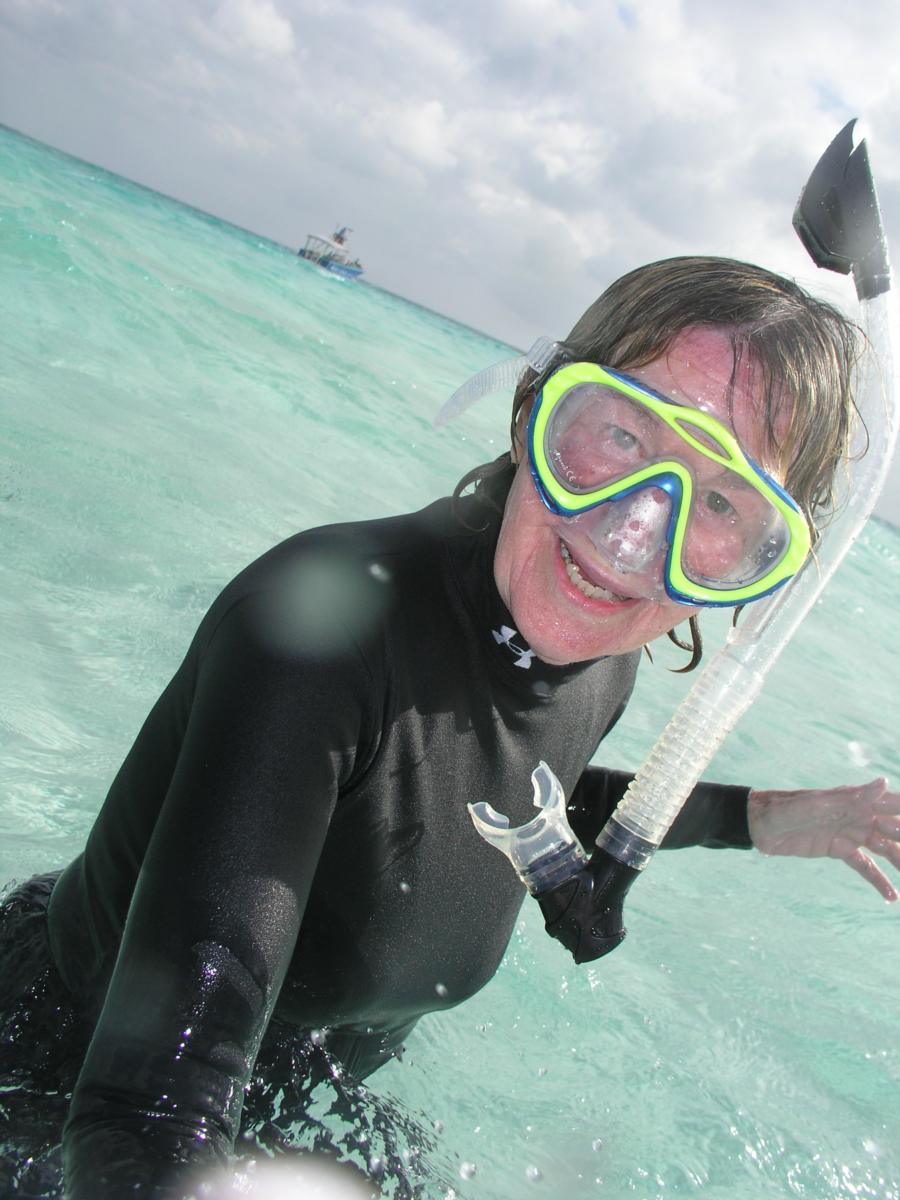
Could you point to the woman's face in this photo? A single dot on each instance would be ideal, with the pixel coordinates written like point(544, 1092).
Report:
point(581, 606)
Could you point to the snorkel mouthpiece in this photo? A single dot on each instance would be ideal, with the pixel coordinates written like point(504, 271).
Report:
point(581, 898)
point(545, 850)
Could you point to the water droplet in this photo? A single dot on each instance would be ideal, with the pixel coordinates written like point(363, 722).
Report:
point(438, 1126)
point(376, 1166)
point(597, 1144)
point(405, 888)
point(533, 1174)
point(379, 572)
point(317, 1037)
point(441, 989)
point(542, 1071)
point(467, 1170)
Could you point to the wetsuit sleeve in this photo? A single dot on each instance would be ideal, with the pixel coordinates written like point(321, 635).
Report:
point(274, 730)
point(714, 815)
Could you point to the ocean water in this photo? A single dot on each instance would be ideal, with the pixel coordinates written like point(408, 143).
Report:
point(176, 395)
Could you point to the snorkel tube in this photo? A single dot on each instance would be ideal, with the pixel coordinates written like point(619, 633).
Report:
point(838, 220)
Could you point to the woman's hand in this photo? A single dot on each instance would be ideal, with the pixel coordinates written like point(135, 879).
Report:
point(841, 822)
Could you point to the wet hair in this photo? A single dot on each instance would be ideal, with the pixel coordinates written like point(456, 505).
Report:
point(801, 351)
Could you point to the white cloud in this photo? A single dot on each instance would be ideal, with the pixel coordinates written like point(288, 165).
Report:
point(241, 27)
point(424, 133)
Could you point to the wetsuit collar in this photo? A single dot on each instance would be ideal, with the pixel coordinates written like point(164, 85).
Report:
point(506, 646)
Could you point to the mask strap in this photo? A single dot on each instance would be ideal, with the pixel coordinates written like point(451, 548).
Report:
point(497, 378)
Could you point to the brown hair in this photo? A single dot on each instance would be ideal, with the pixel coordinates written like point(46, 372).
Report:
point(803, 348)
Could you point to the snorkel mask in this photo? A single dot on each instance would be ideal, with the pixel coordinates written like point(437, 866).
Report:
point(581, 897)
point(650, 477)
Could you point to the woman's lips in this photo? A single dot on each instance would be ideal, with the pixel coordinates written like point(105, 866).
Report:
point(590, 584)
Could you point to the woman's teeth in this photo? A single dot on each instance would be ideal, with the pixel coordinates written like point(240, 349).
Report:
point(589, 589)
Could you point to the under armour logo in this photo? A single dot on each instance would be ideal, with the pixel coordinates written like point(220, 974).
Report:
point(505, 638)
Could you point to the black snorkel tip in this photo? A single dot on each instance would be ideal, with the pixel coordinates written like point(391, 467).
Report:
point(838, 218)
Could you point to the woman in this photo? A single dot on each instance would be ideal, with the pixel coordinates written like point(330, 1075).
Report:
point(286, 849)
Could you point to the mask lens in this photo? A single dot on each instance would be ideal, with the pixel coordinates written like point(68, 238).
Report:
point(596, 435)
point(734, 536)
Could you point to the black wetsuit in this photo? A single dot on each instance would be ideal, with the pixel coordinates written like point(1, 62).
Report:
point(289, 831)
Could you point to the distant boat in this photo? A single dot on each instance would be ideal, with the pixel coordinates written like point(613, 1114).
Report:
point(332, 253)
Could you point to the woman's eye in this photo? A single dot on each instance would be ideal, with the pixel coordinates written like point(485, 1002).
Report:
point(717, 504)
point(622, 438)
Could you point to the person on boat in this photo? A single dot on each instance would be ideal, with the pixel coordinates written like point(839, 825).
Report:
point(284, 871)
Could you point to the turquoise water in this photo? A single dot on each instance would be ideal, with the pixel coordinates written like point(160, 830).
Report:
point(176, 395)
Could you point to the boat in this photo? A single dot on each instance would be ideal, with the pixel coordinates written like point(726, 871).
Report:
point(332, 253)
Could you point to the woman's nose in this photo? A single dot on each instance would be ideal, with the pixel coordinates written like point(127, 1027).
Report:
point(630, 532)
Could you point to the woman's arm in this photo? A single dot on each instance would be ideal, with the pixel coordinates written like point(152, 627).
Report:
point(272, 733)
point(714, 815)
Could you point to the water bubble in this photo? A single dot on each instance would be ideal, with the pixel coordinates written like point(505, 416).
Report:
point(376, 1166)
point(533, 1174)
point(441, 989)
point(317, 1037)
point(597, 1144)
point(379, 572)
point(467, 1170)
point(405, 888)
point(438, 1126)
point(542, 1071)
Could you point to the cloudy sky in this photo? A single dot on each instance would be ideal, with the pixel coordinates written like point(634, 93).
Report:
point(500, 161)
